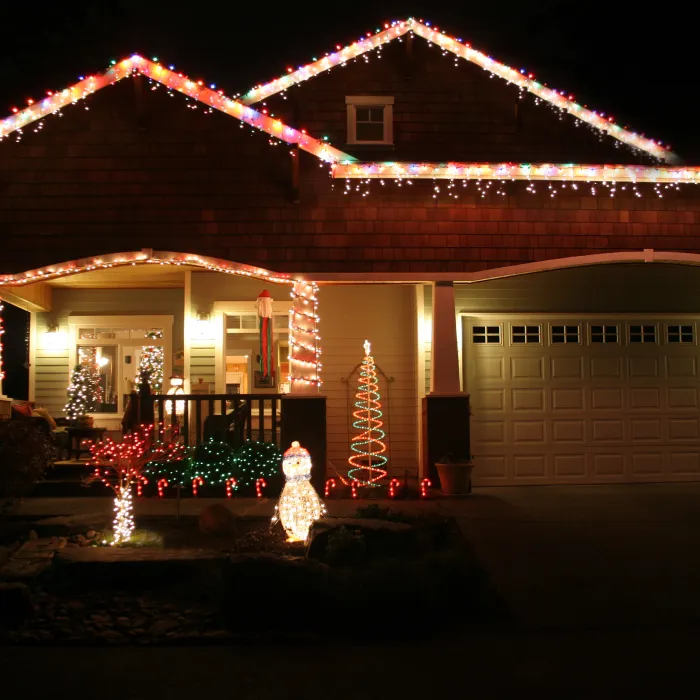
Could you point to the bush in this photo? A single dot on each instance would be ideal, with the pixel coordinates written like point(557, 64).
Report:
point(25, 454)
point(255, 460)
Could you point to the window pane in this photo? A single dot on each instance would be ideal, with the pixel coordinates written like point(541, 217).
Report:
point(376, 114)
point(362, 114)
point(368, 131)
point(249, 321)
point(86, 333)
point(101, 392)
point(233, 322)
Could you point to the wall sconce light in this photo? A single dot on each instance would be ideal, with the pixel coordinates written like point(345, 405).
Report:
point(52, 327)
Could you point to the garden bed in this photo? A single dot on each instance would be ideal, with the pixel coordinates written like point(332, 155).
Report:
point(375, 576)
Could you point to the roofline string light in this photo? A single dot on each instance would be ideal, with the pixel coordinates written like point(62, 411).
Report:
point(196, 90)
point(521, 79)
point(660, 174)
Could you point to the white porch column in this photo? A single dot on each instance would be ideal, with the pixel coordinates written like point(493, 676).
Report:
point(304, 346)
point(444, 366)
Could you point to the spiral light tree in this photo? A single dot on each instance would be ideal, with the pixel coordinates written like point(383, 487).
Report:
point(368, 462)
point(120, 465)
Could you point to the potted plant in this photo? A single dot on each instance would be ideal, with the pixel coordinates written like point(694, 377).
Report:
point(455, 472)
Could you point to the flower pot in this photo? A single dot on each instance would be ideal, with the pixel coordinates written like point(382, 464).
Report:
point(86, 422)
point(455, 477)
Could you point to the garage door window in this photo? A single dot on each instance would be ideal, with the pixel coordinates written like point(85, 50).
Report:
point(564, 334)
point(604, 334)
point(525, 335)
point(679, 334)
point(642, 334)
point(482, 335)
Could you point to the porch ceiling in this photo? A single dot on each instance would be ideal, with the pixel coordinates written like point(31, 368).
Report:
point(125, 277)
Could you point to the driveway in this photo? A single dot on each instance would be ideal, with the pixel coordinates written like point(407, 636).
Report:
point(590, 556)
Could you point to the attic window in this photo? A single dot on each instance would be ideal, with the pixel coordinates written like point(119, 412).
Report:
point(370, 119)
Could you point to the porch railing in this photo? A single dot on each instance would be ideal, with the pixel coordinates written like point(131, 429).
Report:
point(233, 418)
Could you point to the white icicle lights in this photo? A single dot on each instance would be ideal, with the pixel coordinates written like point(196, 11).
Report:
point(299, 505)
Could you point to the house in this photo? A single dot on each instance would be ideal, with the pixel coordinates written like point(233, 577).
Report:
point(509, 253)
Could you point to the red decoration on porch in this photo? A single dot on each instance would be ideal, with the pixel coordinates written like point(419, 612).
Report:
point(162, 484)
point(260, 484)
point(424, 486)
point(394, 484)
point(265, 314)
point(231, 484)
point(330, 484)
point(196, 483)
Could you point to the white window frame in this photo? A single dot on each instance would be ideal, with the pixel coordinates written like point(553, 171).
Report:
point(75, 323)
point(384, 101)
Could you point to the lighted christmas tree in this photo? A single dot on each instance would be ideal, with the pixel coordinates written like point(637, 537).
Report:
point(151, 364)
point(82, 392)
point(367, 464)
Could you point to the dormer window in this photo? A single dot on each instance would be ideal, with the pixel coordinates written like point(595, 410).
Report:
point(370, 119)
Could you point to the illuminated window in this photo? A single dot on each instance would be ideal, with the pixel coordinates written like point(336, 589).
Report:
point(529, 335)
point(564, 334)
point(679, 334)
point(486, 335)
point(642, 334)
point(370, 120)
point(604, 334)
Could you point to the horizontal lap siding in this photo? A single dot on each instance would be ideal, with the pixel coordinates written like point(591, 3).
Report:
point(203, 363)
point(384, 315)
point(51, 366)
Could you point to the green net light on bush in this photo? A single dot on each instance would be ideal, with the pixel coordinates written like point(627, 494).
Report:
point(213, 461)
point(255, 460)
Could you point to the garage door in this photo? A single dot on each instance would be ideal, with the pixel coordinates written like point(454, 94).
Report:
point(579, 400)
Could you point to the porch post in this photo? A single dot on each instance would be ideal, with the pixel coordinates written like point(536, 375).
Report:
point(304, 408)
point(446, 407)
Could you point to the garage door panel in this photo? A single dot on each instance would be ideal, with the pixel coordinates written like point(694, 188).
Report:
point(528, 399)
point(645, 398)
point(567, 399)
point(566, 368)
point(643, 367)
point(529, 431)
point(606, 367)
point(644, 429)
point(682, 367)
point(489, 367)
point(527, 368)
point(608, 465)
point(568, 431)
point(571, 466)
point(683, 397)
point(530, 466)
point(684, 463)
point(608, 430)
point(647, 464)
point(606, 399)
point(683, 429)
point(604, 409)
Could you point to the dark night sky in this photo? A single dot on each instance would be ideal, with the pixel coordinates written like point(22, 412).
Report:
point(615, 58)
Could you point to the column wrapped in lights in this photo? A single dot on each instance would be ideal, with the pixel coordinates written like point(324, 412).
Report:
point(2, 331)
point(304, 340)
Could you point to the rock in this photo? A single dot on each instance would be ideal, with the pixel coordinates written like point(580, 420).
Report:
point(75, 607)
point(216, 519)
point(65, 525)
point(112, 637)
point(161, 627)
point(5, 553)
point(278, 581)
point(381, 539)
point(15, 603)
point(33, 535)
point(91, 534)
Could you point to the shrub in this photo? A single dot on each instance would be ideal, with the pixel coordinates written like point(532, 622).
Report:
point(25, 454)
point(255, 460)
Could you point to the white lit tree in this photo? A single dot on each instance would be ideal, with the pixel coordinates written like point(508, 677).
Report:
point(82, 392)
point(151, 364)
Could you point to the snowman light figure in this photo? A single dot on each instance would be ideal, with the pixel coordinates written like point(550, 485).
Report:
point(299, 505)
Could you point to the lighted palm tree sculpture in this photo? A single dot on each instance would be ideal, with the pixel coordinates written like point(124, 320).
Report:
point(367, 464)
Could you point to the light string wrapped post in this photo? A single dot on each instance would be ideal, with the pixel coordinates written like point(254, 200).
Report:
point(121, 465)
point(368, 462)
point(304, 339)
point(2, 332)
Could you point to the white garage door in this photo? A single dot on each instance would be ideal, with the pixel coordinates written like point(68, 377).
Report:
point(582, 400)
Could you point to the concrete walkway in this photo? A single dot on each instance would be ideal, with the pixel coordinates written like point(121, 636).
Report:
point(562, 557)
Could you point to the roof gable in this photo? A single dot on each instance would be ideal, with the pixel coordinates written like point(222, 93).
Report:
point(175, 81)
point(523, 81)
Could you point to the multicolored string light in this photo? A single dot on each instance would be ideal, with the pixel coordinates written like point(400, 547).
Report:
point(369, 458)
